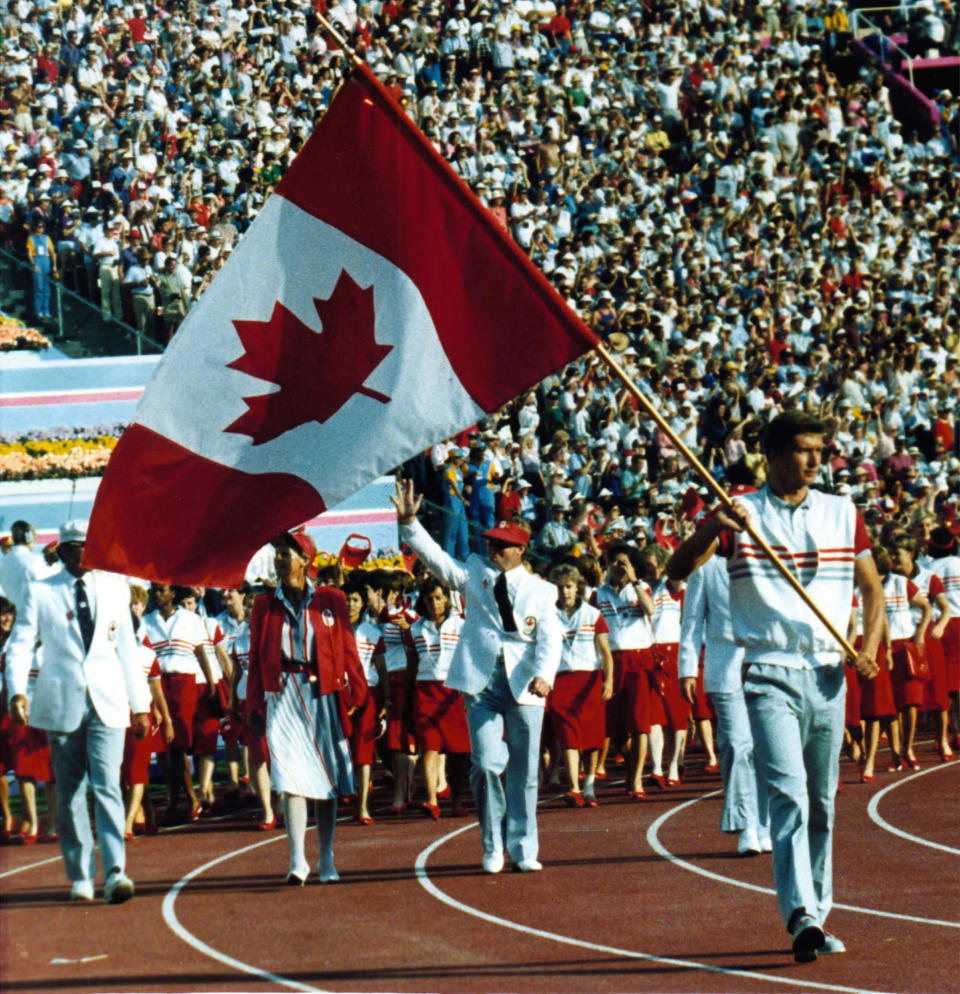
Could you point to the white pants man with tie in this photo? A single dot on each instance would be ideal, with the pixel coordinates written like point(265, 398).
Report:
point(504, 666)
point(89, 681)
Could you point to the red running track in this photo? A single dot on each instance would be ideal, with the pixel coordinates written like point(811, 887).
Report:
point(622, 905)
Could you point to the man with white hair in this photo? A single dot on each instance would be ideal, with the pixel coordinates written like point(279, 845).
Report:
point(90, 679)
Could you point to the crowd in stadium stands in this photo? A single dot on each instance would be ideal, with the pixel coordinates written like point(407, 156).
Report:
point(747, 232)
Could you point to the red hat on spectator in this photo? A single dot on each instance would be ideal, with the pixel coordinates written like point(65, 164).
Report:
point(508, 533)
point(692, 504)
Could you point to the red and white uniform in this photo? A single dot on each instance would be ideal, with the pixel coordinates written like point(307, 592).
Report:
point(363, 737)
point(935, 694)
point(395, 661)
point(876, 693)
point(631, 640)
point(137, 752)
point(439, 718)
point(898, 591)
point(667, 705)
point(948, 569)
point(574, 707)
point(174, 640)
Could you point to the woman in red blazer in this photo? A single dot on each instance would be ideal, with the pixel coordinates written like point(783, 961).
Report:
point(304, 680)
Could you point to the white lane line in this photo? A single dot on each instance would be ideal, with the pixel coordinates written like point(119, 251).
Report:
point(420, 868)
point(30, 866)
point(173, 923)
point(873, 810)
point(658, 847)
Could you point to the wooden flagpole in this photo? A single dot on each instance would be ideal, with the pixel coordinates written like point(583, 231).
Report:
point(722, 496)
point(338, 38)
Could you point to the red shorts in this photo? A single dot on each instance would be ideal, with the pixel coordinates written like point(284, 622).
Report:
point(576, 710)
point(363, 737)
point(30, 753)
point(876, 695)
point(180, 690)
point(951, 655)
point(399, 737)
point(439, 718)
point(206, 724)
point(667, 705)
point(628, 711)
point(935, 694)
point(907, 689)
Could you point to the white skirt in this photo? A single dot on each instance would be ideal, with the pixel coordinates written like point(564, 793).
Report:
point(309, 755)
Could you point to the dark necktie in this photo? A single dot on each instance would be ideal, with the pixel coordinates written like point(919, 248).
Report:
point(84, 616)
point(503, 603)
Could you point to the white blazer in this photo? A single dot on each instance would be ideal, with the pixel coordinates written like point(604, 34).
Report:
point(533, 650)
point(111, 671)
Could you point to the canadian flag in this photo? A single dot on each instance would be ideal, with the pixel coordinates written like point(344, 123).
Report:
point(372, 308)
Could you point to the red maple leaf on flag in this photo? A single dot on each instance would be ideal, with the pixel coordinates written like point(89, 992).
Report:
point(316, 373)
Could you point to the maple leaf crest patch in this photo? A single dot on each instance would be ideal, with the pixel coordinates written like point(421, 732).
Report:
point(316, 373)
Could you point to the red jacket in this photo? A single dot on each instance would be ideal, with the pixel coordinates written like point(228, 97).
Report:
point(338, 664)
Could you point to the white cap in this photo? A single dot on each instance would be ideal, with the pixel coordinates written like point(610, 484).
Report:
point(74, 530)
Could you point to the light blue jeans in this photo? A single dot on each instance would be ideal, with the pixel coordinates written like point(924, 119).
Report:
point(505, 736)
point(90, 755)
point(797, 722)
point(745, 794)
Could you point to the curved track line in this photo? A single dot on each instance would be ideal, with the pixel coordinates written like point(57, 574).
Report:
point(170, 917)
point(874, 813)
point(30, 866)
point(420, 867)
point(658, 847)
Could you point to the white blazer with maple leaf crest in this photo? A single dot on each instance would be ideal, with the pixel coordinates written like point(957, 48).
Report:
point(533, 650)
point(111, 671)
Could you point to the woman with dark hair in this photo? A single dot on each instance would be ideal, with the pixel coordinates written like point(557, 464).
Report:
point(304, 679)
point(584, 683)
point(436, 713)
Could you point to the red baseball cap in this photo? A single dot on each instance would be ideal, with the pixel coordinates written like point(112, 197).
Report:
point(508, 533)
point(300, 541)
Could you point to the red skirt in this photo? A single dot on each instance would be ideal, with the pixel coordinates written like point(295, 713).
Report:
point(399, 737)
point(907, 689)
point(876, 695)
point(257, 750)
point(180, 690)
point(30, 752)
point(577, 712)
point(363, 737)
point(439, 718)
point(206, 724)
point(936, 697)
point(135, 767)
point(6, 755)
point(628, 711)
point(852, 714)
point(667, 705)
point(951, 655)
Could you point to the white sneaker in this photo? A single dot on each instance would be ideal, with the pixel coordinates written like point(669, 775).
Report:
point(119, 888)
point(831, 944)
point(766, 843)
point(749, 844)
point(82, 890)
point(528, 866)
point(493, 861)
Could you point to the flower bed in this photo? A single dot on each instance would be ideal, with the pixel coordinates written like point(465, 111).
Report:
point(48, 458)
point(15, 334)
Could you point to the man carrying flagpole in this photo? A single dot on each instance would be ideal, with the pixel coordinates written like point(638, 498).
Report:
point(504, 666)
point(793, 679)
